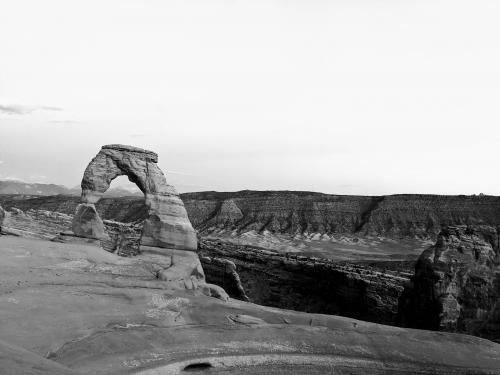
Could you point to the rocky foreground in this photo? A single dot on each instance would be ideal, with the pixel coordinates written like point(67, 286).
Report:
point(76, 309)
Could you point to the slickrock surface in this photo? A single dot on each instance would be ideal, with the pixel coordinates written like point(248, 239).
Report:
point(72, 308)
point(456, 285)
point(166, 224)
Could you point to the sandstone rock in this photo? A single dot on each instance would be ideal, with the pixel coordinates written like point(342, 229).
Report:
point(299, 212)
point(229, 213)
point(456, 286)
point(166, 224)
point(2, 217)
point(87, 222)
point(75, 309)
point(212, 290)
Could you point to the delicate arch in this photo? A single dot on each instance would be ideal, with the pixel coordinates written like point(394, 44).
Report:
point(167, 224)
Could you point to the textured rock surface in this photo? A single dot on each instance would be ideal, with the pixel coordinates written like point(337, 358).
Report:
point(166, 224)
point(87, 222)
point(306, 213)
point(35, 223)
point(456, 286)
point(76, 309)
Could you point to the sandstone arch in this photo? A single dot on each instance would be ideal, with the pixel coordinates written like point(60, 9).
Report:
point(167, 224)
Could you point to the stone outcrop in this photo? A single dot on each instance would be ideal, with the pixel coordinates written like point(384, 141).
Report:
point(456, 286)
point(166, 224)
point(2, 217)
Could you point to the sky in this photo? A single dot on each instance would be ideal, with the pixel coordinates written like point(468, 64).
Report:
point(344, 97)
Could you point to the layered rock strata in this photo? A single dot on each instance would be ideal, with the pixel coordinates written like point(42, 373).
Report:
point(306, 213)
point(299, 213)
point(456, 286)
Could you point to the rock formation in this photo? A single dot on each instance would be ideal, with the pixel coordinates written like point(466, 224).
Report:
point(303, 283)
point(2, 217)
point(306, 213)
point(456, 286)
point(167, 237)
point(166, 224)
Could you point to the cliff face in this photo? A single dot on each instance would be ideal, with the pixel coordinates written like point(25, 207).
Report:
point(302, 283)
point(299, 213)
point(420, 216)
point(456, 286)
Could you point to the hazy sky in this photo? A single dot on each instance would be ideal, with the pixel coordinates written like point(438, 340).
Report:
point(348, 97)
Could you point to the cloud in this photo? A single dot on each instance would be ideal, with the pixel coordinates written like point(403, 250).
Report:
point(64, 122)
point(137, 135)
point(18, 109)
point(1, 161)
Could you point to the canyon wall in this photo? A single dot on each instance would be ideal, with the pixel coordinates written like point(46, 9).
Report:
point(420, 216)
point(456, 286)
point(303, 283)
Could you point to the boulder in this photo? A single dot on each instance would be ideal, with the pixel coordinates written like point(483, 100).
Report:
point(87, 222)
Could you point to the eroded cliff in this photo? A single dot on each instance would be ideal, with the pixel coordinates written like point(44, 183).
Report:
point(456, 286)
point(304, 214)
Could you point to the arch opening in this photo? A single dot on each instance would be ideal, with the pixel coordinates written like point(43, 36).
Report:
point(122, 186)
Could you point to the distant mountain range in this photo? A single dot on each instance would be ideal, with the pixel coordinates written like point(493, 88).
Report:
point(28, 188)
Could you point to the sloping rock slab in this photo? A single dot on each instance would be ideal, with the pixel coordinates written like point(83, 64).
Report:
point(96, 313)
